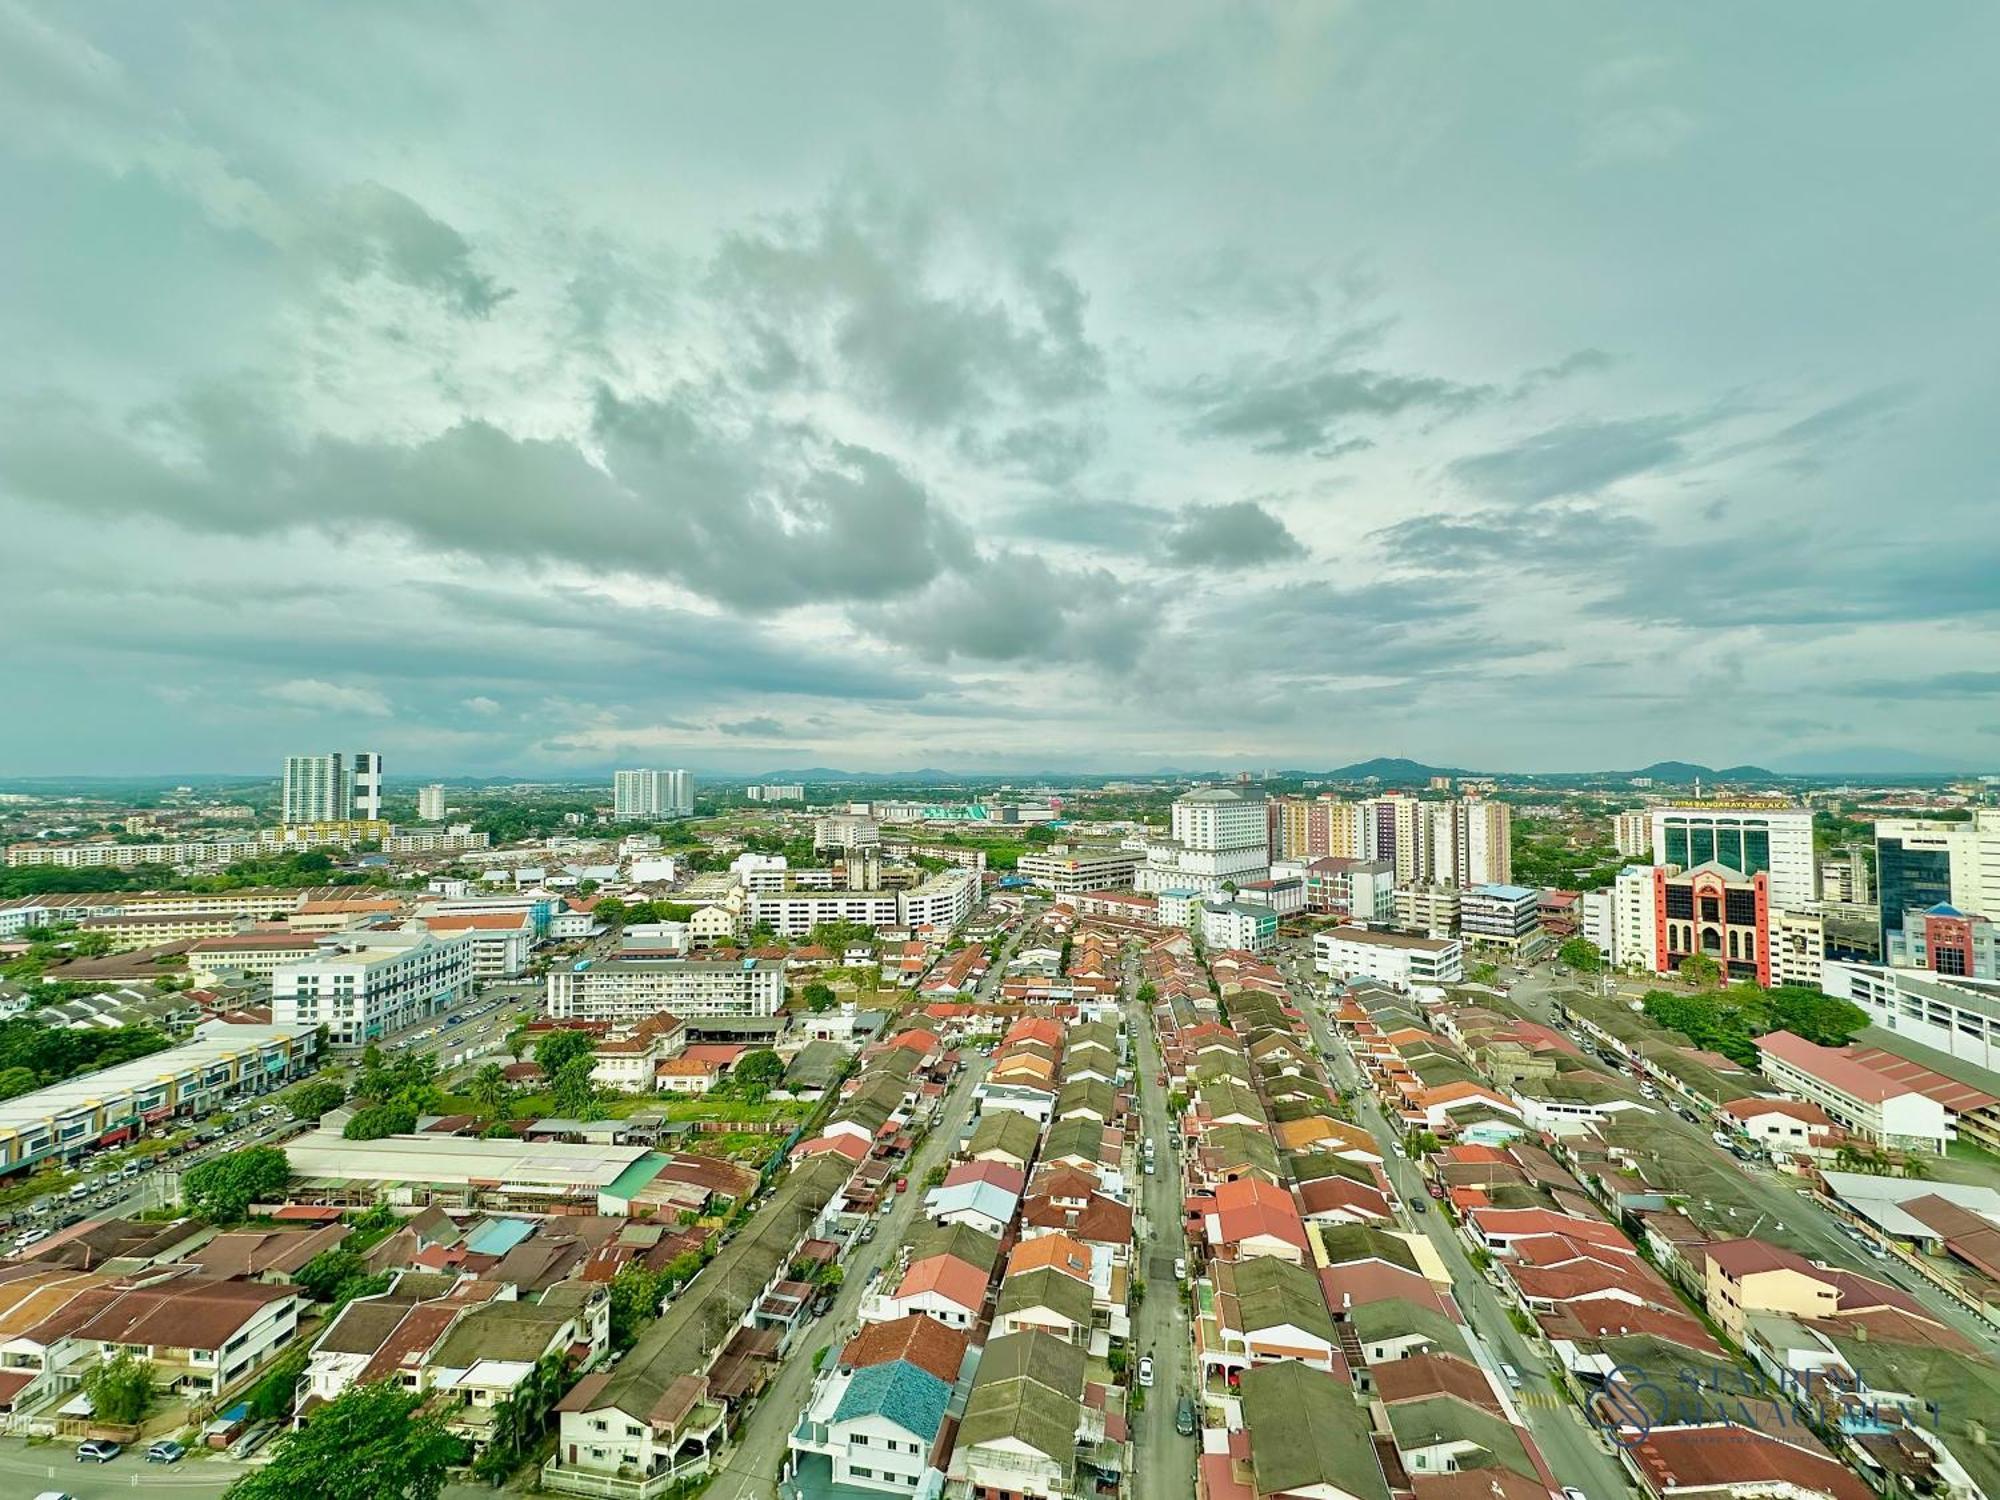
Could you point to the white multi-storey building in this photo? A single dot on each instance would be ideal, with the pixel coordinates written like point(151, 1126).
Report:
point(317, 789)
point(1751, 836)
point(1220, 838)
point(430, 803)
point(366, 985)
point(1958, 1017)
point(652, 794)
point(1632, 833)
point(1635, 937)
point(1468, 842)
point(1071, 871)
point(631, 989)
point(1395, 958)
point(943, 900)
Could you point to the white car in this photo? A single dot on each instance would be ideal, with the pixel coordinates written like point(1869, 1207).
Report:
point(1145, 1369)
point(1180, 1269)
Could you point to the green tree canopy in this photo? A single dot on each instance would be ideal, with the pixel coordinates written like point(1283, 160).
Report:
point(819, 997)
point(572, 1093)
point(379, 1120)
point(559, 1047)
point(222, 1190)
point(323, 1275)
point(311, 1100)
point(368, 1443)
point(635, 1301)
point(120, 1388)
point(1581, 955)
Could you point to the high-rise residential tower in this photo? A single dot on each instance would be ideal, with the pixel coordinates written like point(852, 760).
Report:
point(332, 788)
point(652, 794)
point(430, 803)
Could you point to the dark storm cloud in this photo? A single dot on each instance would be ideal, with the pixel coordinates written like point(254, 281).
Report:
point(1285, 407)
point(1016, 607)
point(859, 296)
point(1240, 534)
point(757, 517)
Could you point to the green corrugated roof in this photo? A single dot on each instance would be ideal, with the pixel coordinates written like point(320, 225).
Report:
point(1306, 1430)
point(628, 1182)
point(1447, 1419)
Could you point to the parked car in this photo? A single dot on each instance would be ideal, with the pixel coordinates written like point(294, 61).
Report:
point(1145, 1369)
point(55, 1495)
point(166, 1451)
point(98, 1451)
point(1184, 1418)
point(1513, 1376)
point(1180, 1268)
point(252, 1440)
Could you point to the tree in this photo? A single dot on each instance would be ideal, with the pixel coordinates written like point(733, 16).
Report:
point(223, 1190)
point(1483, 973)
point(1581, 955)
point(1148, 992)
point(379, 1120)
point(756, 1072)
point(324, 1275)
point(367, 1443)
point(560, 1047)
point(586, 887)
point(311, 1100)
point(819, 997)
point(572, 1093)
point(610, 911)
point(120, 1388)
point(635, 1301)
point(520, 1420)
point(490, 1090)
point(272, 1396)
point(1700, 970)
point(17, 1081)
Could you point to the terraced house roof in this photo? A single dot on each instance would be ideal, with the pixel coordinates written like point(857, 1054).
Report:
point(1047, 1288)
point(914, 1399)
point(1306, 1431)
point(1272, 1293)
point(1029, 1388)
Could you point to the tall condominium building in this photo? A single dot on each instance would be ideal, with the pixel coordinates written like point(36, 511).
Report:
point(1846, 875)
point(1921, 864)
point(652, 794)
point(1313, 828)
point(1470, 842)
point(430, 803)
point(1752, 836)
point(332, 788)
point(1632, 833)
point(631, 989)
point(1397, 828)
point(1220, 837)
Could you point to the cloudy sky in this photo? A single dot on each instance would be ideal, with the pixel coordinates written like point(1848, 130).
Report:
point(527, 388)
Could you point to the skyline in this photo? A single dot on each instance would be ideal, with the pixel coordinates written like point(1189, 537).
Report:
point(1550, 392)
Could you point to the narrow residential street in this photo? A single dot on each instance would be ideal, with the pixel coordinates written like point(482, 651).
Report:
point(759, 1455)
point(1164, 1460)
point(1571, 1447)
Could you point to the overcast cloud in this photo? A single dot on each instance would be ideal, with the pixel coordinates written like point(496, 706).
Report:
point(1097, 387)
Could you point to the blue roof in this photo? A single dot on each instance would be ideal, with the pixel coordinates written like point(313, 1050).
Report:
point(900, 1392)
point(498, 1236)
point(1943, 909)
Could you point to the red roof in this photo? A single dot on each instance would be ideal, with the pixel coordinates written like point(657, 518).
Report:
point(1718, 1457)
point(1250, 1208)
point(1831, 1066)
point(949, 1277)
point(1516, 1222)
point(998, 1173)
point(1423, 1375)
point(492, 921)
point(915, 1339)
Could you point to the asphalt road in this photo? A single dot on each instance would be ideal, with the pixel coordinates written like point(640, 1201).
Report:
point(1163, 1460)
point(758, 1457)
point(26, 1472)
point(1569, 1445)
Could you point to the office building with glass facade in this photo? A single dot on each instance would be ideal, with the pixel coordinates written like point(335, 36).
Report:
point(1752, 838)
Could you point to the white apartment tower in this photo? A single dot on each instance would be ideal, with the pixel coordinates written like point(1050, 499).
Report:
point(652, 794)
point(1468, 844)
point(430, 803)
point(1632, 833)
point(1220, 837)
point(332, 788)
point(1749, 836)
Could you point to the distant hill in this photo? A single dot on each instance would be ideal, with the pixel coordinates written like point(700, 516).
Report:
point(1394, 768)
point(1682, 770)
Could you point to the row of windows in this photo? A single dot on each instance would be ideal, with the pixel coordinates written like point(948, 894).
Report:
point(1691, 844)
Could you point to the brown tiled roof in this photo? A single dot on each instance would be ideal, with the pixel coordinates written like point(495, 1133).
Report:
point(186, 1313)
point(921, 1341)
point(1424, 1375)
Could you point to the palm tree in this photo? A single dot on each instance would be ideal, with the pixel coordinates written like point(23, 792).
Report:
point(489, 1088)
